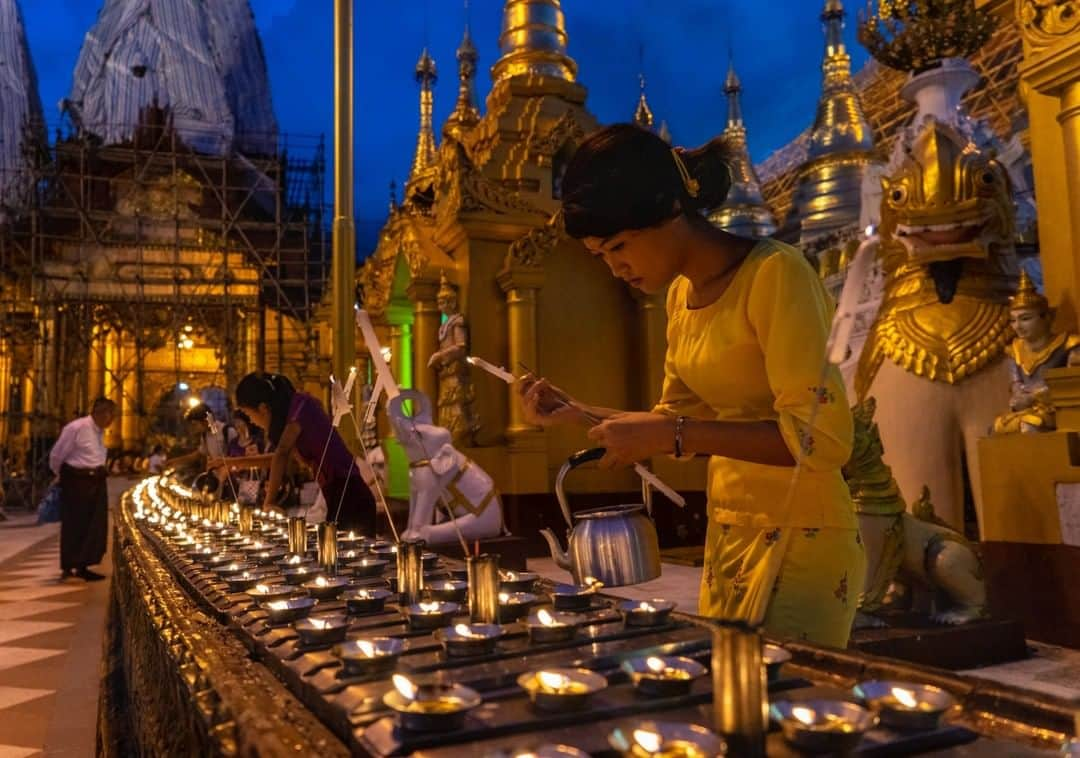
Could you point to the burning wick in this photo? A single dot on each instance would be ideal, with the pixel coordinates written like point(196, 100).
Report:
point(808, 717)
point(234, 567)
point(658, 668)
point(295, 559)
point(429, 608)
point(547, 619)
point(321, 581)
point(407, 689)
point(278, 605)
point(552, 682)
point(262, 589)
point(367, 649)
point(646, 607)
point(504, 597)
point(464, 631)
point(648, 740)
point(907, 700)
point(320, 624)
point(497, 371)
point(352, 535)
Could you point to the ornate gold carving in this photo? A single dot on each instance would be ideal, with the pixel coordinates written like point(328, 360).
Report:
point(530, 249)
point(1043, 22)
point(946, 249)
point(915, 35)
point(544, 147)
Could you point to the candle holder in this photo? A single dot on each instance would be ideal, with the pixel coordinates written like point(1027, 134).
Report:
point(668, 739)
point(540, 751)
point(518, 581)
point(352, 541)
point(364, 602)
point(301, 574)
point(232, 568)
point(514, 605)
point(246, 519)
point(655, 612)
point(483, 578)
point(546, 626)
point(430, 707)
point(561, 689)
point(269, 593)
point(469, 639)
point(386, 552)
point(410, 571)
point(243, 581)
point(572, 597)
point(774, 657)
point(448, 589)
point(430, 615)
point(297, 535)
point(371, 658)
point(327, 545)
point(740, 715)
point(822, 726)
point(326, 587)
point(430, 561)
point(294, 560)
point(905, 706)
point(366, 568)
point(290, 609)
point(662, 676)
point(268, 556)
point(220, 559)
point(325, 630)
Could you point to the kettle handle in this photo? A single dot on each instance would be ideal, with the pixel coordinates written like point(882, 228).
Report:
point(577, 459)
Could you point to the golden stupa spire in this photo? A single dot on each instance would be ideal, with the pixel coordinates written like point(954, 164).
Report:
point(643, 115)
point(744, 211)
point(533, 42)
point(466, 114)
point(425, 140)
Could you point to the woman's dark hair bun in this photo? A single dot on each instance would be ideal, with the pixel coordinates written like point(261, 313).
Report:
point(624, 177)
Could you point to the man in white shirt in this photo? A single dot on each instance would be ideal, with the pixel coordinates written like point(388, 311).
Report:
point(78, 458)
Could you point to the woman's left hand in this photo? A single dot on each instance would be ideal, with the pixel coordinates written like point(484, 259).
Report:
point(633, 437)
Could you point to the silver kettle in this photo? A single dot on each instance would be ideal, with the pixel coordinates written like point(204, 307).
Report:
point(616, 545)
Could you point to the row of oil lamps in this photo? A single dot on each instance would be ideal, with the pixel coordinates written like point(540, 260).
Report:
point(248, 557)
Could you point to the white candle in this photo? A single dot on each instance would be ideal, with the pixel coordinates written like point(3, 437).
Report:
point(382, 370)
point(496, 371)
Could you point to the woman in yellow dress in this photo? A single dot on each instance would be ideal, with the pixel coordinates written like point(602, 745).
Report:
point(744, 383)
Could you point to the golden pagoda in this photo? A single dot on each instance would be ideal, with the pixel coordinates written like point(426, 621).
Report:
point(530, 295)
point(840, 144)
point(424, 157)
point(643, 115)
point(744, 211)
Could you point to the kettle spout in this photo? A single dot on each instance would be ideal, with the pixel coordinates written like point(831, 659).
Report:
point(560, 556)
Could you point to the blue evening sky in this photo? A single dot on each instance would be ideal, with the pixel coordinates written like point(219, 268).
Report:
point(777, 46)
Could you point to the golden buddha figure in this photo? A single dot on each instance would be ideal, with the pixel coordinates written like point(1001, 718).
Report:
point(456, 394)
point(1035, 349)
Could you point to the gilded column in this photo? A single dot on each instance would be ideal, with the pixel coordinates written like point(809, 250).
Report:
point(521, 286)
point(129, 406)
point(425, 333)
point(401, 354)
point(5, 390)
point(652, 321)
point(49, 397)
point(114, 384)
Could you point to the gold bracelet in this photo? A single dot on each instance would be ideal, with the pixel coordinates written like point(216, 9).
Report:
point(680, 421)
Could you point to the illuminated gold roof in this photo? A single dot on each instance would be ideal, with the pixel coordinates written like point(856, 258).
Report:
point(533, 41)
point(424, 158)
point(743, 212)
point(643, 115)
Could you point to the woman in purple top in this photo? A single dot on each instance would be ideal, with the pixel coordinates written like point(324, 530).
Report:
point(296, 424)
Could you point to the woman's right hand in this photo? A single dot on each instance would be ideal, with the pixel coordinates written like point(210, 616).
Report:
point(545, 404)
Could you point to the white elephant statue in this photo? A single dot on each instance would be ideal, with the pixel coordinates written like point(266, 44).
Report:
point(440, 472)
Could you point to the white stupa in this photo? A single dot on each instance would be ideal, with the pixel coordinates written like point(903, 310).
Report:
point(201, 60)
point(20, 109)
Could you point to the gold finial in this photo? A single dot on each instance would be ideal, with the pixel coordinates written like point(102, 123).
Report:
point(1027, 297)
point(533, 41)
point(466, 114)
point(426, 76)
point(446, 289)
point(643, 116)
point(690, 184)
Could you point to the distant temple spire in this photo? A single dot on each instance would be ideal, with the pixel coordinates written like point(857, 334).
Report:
point(643, 115)
point(744, 211)
point(533, 41)
point(465, 114)
point(424, 157)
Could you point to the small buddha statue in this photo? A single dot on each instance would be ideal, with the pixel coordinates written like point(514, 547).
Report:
point(456, 394)
point(1035, 349)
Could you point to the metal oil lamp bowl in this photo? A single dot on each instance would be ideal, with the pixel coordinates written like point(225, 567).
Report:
point(653, 612)
point(517, 581)
point(430, 615)
point(268, 593)
point(370, 658)
point(385, 552)
point(562, 689)
point(294, 560)
point(243, 581)
point(366, 568)
point(326, 587)
point(905, 705)
point(668, 739)
point(232, 568)
point(430, 561)
point(461, 574)
point(540, 751)
point(302, 574)
point(289, 609)
point(572, 597)
point(352, 541)
point(662, 676)
point(268, 556)
point(448, 589)
point(325, 630)
point(514, 605)
point(546, 626)
point(430, 707)
point(363, 602)
point(469, 639)
point(220, 559)
point(822, 726)
point(774, 657)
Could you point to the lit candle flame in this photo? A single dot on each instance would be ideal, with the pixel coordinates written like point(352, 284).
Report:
point(247, 575)
point(407, 689)
point(905, 697)
point(364, 594)
point(350, 554)
point(262, 589)
point(366, 648)
point(504, 597)
point(646, 607)
point(429, 607)
point(464, 631)
point(804, 715)
point(278, 605)
point(301, 570)
point(320, 624)
point(234, 567)
point(649, 740)
point(656, 665)
point(553, 681)
point(352, 535)
point(321, 581)
point(295, 559)
point(545, 618)
point(257, 545)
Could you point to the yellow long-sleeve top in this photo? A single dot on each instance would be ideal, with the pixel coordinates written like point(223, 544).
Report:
point(756, 353)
